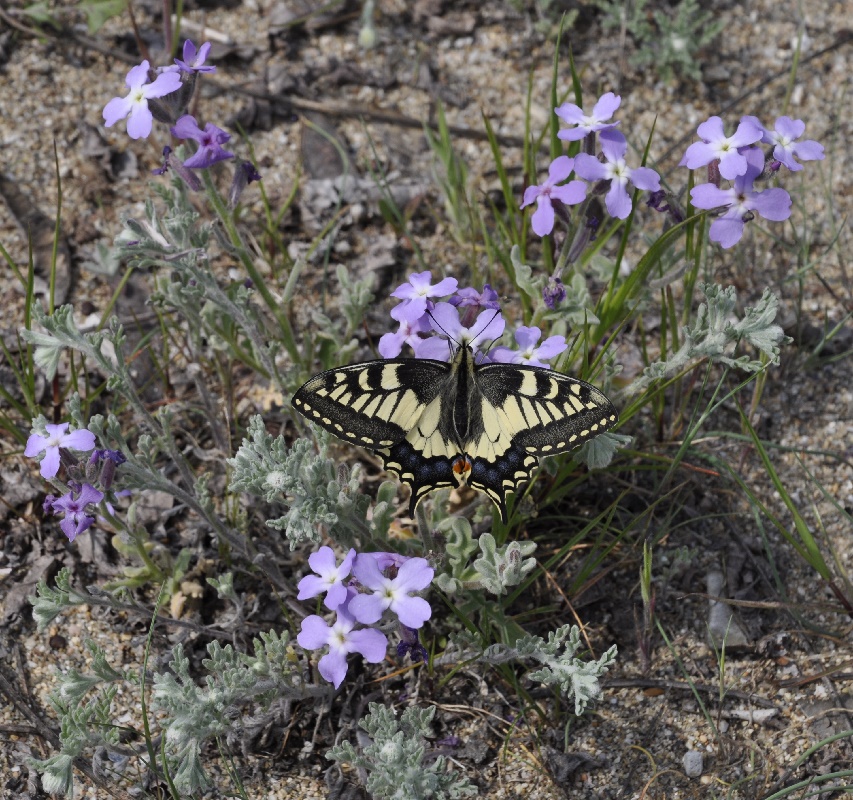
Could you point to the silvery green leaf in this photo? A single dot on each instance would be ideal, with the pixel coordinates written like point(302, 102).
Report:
point(597, 453)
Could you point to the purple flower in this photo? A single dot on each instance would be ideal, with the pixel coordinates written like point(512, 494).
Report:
point(210, 142)
point(787, 148)
point(465, 298)
point(741, 200)
point(529, 353)
point(418, 294)
point(570, 194)
point(387, 561)
point(488, 326)
point(716, 145)
point(135, 105)
point(392, 593)
point(614, 146)
point(76, 519)
point(193, 61)
point(57, 437)
point(329, 578)
point(341, 640)
point(410, 643)
point(603, 110)
point(433, 347)
point(391, 344)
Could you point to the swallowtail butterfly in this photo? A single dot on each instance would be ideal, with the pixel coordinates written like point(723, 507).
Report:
point(438, 424)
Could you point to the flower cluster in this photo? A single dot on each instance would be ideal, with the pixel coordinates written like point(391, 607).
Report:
point(739, 159)
point(360, 590)
point(610, 168)
point(77, 506)
point(465, 318)
point(163, 94)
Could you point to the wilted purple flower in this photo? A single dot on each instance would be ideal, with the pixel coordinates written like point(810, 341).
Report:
point(546, 193)
point(488, 326)
point(716, 145)
point(210, 142)
point(244, 174)
point(57, 437)
point(528, 352)
point(554, 293)
point(410, 643)
point(170, 162)
point(76, 519)
point(392, 593)
point(194, 61)
point(135, 105)
point(469, 296)
point(742, 200)
point(662, 202)
point(614, 146)
point(605, 107)
point(787, 148)
point(391, 344)
point(417, 295)
point(329, 578)
point(341, 640)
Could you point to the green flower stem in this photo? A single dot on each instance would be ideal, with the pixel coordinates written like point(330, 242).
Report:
point(288, 339)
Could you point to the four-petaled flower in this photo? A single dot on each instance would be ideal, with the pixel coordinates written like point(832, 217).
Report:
point(210, 142)
point(135, 105)
point(49, 445)
point(716, 145)
point(392, 593)
point(787, 148)
point(603, 110)
point(76, 519)
point(341, 640)
point(614, 146)
point(417, 295)
point(529, 353)
point(193, 61)
point(329, 577)
point(546, 193)
point(742, 200)
point(488, 326)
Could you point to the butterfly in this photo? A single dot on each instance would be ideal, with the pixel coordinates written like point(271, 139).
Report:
point(437, 424)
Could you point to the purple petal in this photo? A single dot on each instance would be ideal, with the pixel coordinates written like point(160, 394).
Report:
point(790, 128)
point(747, 133)
point(542, 220)
point(434, 348)
point(323, 561)
point(706, 195)
point(79, 440)
point(618, 201)
point(187, 128)
point(733, 165)
point(346, 565)
point(445, 319)
point(189, 51)
point(503, 355)
point(613, 144)
point(89, 494)
point(571, 134)
point(645, 178)
point(415, 574)
point(560, 169)
point(489, 326)
point(366, 608)
point(551, 347)
point(530, 194)
point(589, 167)
point(137, 76)
point(698, 155)
point(711, 130)
point(50, 463)
point(165, 83)
point(606, 106)
point(333, 667)
point(118, 108)
point(70, 527)
point(35, 444)
point(310, 586)
point(570, 113)
point(336, 596)
point(370, 643)
point(391, 344)
point(570, 194)
point(409, 310)
point(314, 633)
point(808, 150)
point(444, 287)
point(366, 571)
point(139, 122)
point(413, 612)
point(772, 204)
point(527, 337)
point(755, 122)
point(727, 231)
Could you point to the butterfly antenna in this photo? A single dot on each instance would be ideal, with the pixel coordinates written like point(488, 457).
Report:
point(450, 339)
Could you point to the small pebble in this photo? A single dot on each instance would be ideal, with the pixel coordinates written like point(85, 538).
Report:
point(692, 762)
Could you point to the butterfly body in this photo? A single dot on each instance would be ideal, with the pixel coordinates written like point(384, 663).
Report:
point(442, 425)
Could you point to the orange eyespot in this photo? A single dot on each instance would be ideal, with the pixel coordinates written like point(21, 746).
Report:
point(461, 468)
